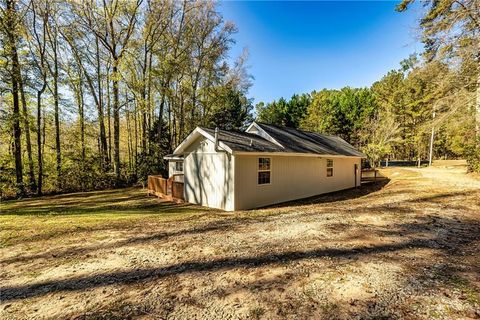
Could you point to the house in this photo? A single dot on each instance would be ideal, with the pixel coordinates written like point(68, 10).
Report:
point(264, 165)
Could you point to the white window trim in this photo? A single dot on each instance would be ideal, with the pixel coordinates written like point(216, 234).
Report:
point(329, 167)
point(176, 164)
point(270, 170)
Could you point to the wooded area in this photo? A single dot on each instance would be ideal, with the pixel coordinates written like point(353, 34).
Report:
point(94, 93)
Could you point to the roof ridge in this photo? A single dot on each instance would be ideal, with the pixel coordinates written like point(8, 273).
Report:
point(296, 129)
point(241, 132)
point(304, 135)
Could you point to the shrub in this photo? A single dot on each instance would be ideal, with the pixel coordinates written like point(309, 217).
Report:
point(473, 157)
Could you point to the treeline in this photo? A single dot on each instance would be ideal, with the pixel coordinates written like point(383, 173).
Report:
point(392, 119)
point(94, 93)
point(431, 101)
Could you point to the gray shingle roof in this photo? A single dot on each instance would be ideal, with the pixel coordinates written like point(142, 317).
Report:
point(244, 141)
point(293, 141)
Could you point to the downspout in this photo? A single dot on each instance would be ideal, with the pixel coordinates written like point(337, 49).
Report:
point(216, 139)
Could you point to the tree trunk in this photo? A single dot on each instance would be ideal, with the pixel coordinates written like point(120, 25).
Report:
point(116, 120)
point(57, 127)
point(135, 153)
point(81, 119)
point(129, 138)
point(432, 137)
point(44, 131)
point(56, 114)
point(477, 107)
point(39, 127)
point(39, 140)
point(149, 95)
point(162, 110)
point(109, 118)
point(11, 47)
point(101, 121)
point(143, 98)
point(144, 124)
point(26, 123)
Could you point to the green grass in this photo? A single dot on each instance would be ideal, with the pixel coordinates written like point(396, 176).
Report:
point(34, 219)
point(119, 201)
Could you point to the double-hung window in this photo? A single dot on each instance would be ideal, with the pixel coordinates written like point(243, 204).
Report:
point(264, 171)
point(329, 167)
point(179, 166)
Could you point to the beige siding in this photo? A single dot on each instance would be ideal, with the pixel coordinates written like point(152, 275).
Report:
point(208, 176)
point(292, 177)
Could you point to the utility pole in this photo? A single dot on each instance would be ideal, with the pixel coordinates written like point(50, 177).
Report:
point(431, 139)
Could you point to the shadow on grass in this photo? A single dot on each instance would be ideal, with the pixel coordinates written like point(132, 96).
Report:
point(121, 201)
point(467, 230)
point(82, 250)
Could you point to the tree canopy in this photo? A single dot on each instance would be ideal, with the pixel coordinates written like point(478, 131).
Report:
point(94, 94)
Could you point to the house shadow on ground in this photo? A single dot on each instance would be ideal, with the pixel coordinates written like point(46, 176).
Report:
point(342, 195)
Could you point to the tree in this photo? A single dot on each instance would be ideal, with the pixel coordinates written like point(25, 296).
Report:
point(340, 112)
point(390, 95)
point(113, 24)
point(54, 70)
point(284, 113)
point(38, 32)
point(10, 25)
point(234, 112)
point(451, 32)
point(378, 135)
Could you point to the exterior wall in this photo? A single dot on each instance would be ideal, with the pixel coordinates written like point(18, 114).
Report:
point(208, 176)
point(291, 177)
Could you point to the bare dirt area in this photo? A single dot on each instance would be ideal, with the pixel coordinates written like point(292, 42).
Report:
point(406, 248)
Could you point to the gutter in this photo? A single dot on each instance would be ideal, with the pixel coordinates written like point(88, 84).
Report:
point(296, 154)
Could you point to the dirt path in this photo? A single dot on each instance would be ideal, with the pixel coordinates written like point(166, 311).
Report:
point(408, 250)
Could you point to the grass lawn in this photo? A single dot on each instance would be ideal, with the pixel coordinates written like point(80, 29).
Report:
point(407, 248)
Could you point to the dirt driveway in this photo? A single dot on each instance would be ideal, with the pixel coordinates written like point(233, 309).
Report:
point(406, 249)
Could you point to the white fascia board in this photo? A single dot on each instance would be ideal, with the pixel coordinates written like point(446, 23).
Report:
point(173, 158)
point(187, 141)
point(194, 135)
point(264, 135)
point(293, 154)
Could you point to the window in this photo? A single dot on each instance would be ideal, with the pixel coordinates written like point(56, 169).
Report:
point(263, 170)
point(329, 168)
point(179, 166)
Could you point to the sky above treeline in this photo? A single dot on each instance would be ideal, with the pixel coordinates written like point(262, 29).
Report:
point(298, 47)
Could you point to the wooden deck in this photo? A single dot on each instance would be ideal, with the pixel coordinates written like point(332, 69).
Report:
point(371, 176)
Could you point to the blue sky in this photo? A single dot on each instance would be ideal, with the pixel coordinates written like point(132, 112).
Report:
point(297, 47)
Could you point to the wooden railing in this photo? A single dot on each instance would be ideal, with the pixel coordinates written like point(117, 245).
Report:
point(165, 188)
point(371, 175)
point(177, 190)
point(157, 185)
